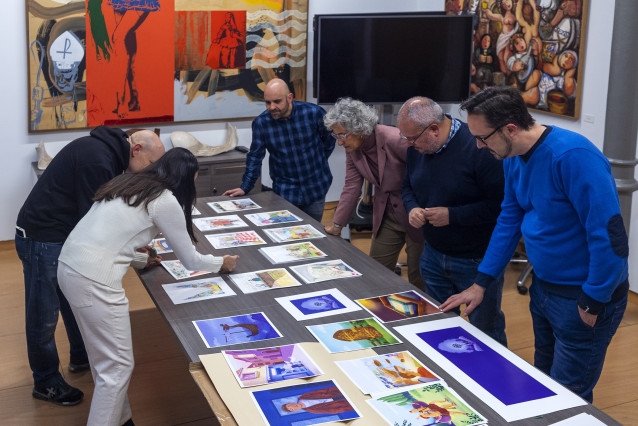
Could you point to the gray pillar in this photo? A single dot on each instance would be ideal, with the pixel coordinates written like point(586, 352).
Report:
point(621, 122)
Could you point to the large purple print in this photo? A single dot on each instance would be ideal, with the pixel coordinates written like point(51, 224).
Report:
point(497, 375)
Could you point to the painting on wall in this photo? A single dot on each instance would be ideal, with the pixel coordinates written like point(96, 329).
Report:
point(534, 45)
point(56, 34)
point(120, 62)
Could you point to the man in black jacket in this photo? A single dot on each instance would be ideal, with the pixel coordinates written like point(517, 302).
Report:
point(59, 199)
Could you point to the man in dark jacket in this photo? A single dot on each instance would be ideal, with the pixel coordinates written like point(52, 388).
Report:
point(59, 199)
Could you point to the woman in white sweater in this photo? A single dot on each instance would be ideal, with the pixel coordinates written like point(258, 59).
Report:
point(128, 212)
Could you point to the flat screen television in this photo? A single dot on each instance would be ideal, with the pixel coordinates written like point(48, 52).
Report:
point(388, 58)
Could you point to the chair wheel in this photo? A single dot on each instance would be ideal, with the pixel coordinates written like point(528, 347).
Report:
point(521, 289)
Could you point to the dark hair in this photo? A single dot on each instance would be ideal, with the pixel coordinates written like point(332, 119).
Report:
point(174, 171)
point(500, 105)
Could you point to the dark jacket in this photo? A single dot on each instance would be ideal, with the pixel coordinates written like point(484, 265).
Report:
point(64, 192)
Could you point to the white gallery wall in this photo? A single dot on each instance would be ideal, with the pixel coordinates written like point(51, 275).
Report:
point(17, 146)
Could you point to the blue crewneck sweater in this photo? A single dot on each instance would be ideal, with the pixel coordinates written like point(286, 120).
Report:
point(563, 199)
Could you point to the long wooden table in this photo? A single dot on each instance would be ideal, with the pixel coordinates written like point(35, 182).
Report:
point(376, 281)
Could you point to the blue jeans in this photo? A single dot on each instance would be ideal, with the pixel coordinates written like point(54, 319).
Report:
point(446, 275)
point(314, 209)
point(43, 304)
point(566, 348)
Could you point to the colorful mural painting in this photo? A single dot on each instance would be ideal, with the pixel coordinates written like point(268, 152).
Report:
point(120, 62)
point(534, 45)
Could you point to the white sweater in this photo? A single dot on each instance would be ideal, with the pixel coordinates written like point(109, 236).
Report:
point(102, 245)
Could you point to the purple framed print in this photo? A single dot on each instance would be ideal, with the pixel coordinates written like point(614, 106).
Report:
point(507, 383)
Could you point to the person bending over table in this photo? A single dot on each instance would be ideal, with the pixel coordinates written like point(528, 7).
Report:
point(377, 153)
point(299, 146)
point(560, 195)
point(128, 212)
point(57, 202)
point(453, 191)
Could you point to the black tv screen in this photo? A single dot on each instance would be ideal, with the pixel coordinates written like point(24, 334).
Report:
point(391, 57)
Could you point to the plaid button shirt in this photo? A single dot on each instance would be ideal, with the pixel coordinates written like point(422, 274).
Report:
point(299, 147)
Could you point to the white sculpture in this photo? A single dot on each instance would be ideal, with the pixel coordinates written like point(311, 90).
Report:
point(43, 157)
point(188, 141)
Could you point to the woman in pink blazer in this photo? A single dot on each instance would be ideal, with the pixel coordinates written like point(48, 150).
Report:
point(377, 153)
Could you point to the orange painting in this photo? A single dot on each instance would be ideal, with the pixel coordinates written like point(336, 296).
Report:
point(129, 61)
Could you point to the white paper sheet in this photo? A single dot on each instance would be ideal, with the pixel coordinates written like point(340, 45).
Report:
point(317, 304)
point(562, 399)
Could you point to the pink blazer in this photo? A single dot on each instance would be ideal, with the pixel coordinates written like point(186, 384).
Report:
point(391, 152)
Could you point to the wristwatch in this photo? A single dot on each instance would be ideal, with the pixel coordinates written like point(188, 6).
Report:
point(337, 226)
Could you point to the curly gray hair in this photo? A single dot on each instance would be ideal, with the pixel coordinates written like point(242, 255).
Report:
point(355, 116)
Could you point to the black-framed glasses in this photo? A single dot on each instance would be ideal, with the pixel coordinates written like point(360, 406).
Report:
point(340, 136)
point(414, 138)
point(483, 139)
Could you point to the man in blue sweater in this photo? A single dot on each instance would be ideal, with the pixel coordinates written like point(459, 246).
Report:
point(561, 196)
point(453, 192)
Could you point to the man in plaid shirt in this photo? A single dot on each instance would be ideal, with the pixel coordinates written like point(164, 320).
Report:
point(299, 146)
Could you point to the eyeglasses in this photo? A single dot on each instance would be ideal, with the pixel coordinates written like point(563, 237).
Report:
point(414, 138)
point(340, 136)
point(483, 139)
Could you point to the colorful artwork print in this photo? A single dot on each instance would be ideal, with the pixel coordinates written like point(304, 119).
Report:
point(291, 252)
point(161, 246)
point(233, 205)
point(306, 404)
point(129, 61)
point(194, 291)
point(508, 384)
point(268, 279)
point(293, 233)
point(317, 304)
point(353, 335)
point(272, 218)
point(324, 271)
point(216, 223)
point(56, 34)
point(254, 367)
point(536, 46)
point(235, 330)
point(398, 306)
point(390, 371)
point(430, 405)
point(94, 62)
point(490, 370)
point(178, 271)
point(225, 52)
point(235, 239)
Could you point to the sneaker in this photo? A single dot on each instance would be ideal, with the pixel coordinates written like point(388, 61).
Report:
point(60, 393)
point(78, 368)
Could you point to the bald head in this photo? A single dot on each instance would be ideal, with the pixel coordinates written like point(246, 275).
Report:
point(146, 148)
point(420, 111)
point(278, 99)
point(423, 124)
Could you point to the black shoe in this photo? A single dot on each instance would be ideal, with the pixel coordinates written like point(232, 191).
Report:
point(78, 368)
point(60, 393)
point(129, 422)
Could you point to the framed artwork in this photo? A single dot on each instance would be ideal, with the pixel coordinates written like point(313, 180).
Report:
point(506, 383)
point(534, 45)
point(122, 62)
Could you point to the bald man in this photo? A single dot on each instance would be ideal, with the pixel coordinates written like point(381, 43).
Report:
point(59, 199)
point(299, 146)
